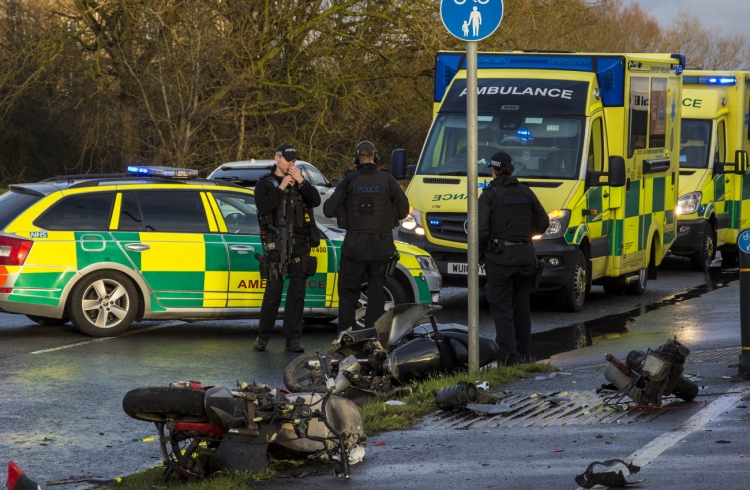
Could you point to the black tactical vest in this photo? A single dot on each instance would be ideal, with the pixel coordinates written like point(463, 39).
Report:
point(292, 209)
point(511, 217)
point(368, 206)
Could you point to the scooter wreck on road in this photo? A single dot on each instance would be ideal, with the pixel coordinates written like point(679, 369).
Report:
point(646, 377)
point(205, 429)
point(376, 362)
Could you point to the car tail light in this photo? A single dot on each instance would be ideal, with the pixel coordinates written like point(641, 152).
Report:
point(13, 251)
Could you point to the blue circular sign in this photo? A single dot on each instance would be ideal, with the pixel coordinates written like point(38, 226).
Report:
point(471, 20)
point(743, 242)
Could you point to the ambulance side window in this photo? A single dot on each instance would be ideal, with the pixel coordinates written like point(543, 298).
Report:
point(315, 177)
point(239, 212)
point(130, 213)
point(82, 212)
point(638, 121)
point(720, 149)
point(173, 211)
point(595, 159)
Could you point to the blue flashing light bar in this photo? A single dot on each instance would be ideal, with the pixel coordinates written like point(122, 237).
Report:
point(610, 70)
point(726, 81)
point(167, 172)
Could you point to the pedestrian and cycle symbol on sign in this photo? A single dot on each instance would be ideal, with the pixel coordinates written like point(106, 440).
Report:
point(471, 20)
point(744, 241)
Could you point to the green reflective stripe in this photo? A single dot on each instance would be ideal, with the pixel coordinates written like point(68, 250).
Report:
point(657, 201)
point(746, 187)
point(579, 235)
point(669, 216)
point(87, 252)
point(155, 306)
point(719, 187)
point(594, 202)
point(734, 214)
point(216, 254)
point(125, 237)
point(35, 297)
point(616, 244)
point(423, 290)
point(708, 211)
point(164, 281)
point(633, 199)
point(643, 232)
point(44, 280)
point(332, 258)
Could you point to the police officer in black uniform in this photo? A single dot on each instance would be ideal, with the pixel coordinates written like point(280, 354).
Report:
point(368, 204)
point(285, 201)
point(509, 215)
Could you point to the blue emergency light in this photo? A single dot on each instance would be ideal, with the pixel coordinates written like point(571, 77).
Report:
point(726, 81)
point(167, 172)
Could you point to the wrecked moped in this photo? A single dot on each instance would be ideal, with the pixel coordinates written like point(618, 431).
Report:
point(204, 429)
point(373, 362)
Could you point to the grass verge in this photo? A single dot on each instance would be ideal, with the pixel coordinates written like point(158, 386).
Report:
point(378, 417)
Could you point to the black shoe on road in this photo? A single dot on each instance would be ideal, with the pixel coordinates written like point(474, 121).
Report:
point(293, 345)
point(260, 344)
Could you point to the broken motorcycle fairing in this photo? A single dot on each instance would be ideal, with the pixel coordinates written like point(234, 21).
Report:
point(204, 429)
point(375, 362)
point(646, 377)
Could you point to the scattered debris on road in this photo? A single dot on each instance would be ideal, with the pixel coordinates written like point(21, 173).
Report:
point(612, 477)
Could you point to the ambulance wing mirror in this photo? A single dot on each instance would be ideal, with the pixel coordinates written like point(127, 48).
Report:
point(615, 175)
point(335, 182)
point(740, 162)
point(398, 164)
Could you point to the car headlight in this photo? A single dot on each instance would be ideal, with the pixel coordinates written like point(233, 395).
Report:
point(412, 223)
point(426, 263)
point(558, 223)
point(688, 204)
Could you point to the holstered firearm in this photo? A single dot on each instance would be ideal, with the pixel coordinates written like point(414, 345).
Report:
point(538, 270)
point(390, 266)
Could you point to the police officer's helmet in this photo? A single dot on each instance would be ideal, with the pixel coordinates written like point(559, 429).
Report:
point(365, 148)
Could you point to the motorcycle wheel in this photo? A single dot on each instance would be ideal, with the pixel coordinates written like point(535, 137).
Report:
point(300, 377)
point(162, 403)
point(685, 389)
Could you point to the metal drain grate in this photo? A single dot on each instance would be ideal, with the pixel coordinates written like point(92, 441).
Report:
point(715, 356)
point(584, 408)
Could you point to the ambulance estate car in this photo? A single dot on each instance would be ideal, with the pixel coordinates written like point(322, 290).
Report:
point(108, 251)
point(595, 136)
point(714, 203)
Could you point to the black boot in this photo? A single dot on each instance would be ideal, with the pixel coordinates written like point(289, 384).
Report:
point(293, 345)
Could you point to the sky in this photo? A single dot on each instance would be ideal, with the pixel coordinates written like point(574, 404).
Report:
point(713, 13)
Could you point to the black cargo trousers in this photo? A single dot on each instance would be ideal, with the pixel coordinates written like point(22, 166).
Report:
point(293, 305)
point(509, 278)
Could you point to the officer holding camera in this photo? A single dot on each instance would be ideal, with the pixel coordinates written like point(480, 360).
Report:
point(288, 232)
point(509, 215)
point(367, 203)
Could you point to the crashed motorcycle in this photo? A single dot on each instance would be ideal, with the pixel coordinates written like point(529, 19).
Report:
point(646, 377)
point(375, 362)
point(205, 429)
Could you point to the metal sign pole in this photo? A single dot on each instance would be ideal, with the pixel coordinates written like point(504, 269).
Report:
point(743, 245)
point(473, 207)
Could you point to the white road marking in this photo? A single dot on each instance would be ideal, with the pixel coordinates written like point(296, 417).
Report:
point(102, 339)
point(655, 448)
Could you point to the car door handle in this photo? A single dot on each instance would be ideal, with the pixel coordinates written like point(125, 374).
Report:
point(137, 247)
point(606, 194)
point(242, 249)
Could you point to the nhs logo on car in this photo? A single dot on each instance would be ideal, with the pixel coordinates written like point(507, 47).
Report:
point(38, 234)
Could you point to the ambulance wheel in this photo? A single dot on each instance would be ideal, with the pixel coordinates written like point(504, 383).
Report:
point(702, 258)
point(47, 321)
point(638, 287)
point(103, 304)
point(394, 296)
point(573, 293)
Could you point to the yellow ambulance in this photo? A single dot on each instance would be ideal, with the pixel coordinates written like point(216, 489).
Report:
point(714, 202)
point(595, 136)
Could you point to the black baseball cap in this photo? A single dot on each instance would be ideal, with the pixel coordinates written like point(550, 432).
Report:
point(499, 158)
point(288, 152)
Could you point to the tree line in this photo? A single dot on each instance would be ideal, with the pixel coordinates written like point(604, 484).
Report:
point(93, 85)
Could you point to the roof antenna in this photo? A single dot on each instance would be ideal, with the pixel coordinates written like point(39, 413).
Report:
point(65, 169)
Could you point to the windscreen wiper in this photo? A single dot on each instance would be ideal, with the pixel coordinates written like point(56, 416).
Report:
point(455, 172)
